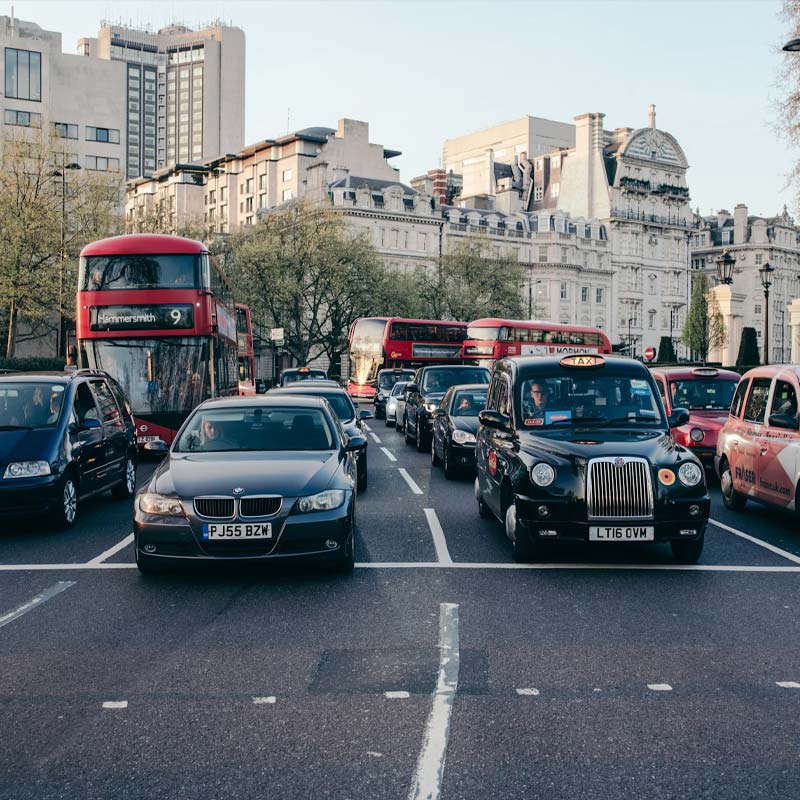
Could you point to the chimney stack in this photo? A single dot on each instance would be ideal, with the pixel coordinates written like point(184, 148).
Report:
point(652, 115)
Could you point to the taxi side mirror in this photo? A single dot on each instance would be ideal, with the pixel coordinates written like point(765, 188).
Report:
point(678, 417)
point(788, 421)
point(490, 418)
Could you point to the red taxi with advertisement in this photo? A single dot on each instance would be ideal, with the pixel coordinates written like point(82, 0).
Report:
point(758, 451)
point(157, 314)
point(706, 393)
point(490, 339)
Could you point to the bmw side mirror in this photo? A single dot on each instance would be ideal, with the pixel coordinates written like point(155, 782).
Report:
point(490, 418)
point(678, 417)
point(788, 421)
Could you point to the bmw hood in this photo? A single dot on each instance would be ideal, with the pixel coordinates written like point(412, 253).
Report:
point(289, 474)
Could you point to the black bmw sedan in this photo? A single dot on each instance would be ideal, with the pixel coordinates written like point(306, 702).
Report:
point(264, 477)
point(454, 426)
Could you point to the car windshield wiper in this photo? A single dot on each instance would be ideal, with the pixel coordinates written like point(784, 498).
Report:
point(16, 427)
point(637, 417)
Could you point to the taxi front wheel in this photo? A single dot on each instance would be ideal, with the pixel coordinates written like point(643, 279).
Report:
point(687, 552)
point(732, 499)
point(522, 549)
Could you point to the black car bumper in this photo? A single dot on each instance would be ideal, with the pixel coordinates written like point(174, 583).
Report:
point(318, 534)
point(21, 496)
point(462, 456)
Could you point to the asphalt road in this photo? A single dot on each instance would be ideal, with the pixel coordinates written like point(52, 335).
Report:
point(438, 669)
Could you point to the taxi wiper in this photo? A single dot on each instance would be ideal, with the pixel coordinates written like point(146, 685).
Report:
point(578, 421)
point(16, 427)
point(637, 417)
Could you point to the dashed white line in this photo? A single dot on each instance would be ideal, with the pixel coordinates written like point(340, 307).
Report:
point(439, 542)
point(112, 550)
point(410, 481)
point(528, 692)
point(43, 597)
point(264, 701)
point(115, 704)
point(375, 437)
point(391, 456)
point(427, 783)
point(788, 684)
point(659, 687)
point(397, 695)
point(766, 545)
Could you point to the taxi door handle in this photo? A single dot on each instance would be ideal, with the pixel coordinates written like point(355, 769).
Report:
point(764, 451)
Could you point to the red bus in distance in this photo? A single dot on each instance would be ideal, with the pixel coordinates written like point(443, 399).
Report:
point(492, 338)
point(245, 350)
point(157, 313)
point(384, 342)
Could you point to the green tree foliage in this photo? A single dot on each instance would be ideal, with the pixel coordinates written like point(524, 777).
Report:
point(666, 351)
point(748, 349)
point(304, 270)
point(704, 326)
point(467, 284)
point(41, 201)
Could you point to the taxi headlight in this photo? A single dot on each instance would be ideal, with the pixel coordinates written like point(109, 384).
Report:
point(690, 474)
point(430, 407)
point(323, 501)
point(463, 437)
point(27, 469)
point(542, 474)
point(158, 504)
point(696, 435)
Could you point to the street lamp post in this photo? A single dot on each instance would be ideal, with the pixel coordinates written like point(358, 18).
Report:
point(725, 266)
point(62, 173)
point(766, 281)
point(672, 315)
point(530, 296)
point(630, 337)
point(783, 334)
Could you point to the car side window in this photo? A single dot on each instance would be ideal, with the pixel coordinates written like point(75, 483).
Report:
point(784, 399)
point(491, 400)
point(119, 395)
point(84, 405)
point(503, 397)
point(738, 398)
point(757, 400)
point(662, 391)
point(109, 412)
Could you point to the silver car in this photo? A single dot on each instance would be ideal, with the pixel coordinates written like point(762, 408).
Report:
point(392, 401)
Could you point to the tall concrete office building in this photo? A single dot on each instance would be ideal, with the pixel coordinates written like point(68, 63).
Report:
point(184, 92)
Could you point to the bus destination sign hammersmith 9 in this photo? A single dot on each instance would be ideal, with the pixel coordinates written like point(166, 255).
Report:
point(131, 318)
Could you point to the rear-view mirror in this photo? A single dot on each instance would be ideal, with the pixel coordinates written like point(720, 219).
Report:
point(788, 421)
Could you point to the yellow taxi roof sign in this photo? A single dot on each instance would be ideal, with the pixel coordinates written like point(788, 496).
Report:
point(582, 360)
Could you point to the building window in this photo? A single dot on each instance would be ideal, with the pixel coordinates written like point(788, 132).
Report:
point(542, 255)
point(249, 189)
point(212, 196)
point(757, 309)
point(564, 291)
point(102, 164)
point(564, 255)
point(287, 175)
point(65, 130)
point(262, 200)
point(651, 319)
point(538, 192)
point(555, 189)
point(538, 165)
point(25, 119)
point(248, 204)
point(584, 294)
point(222, 193)
point(23, 74)
point(287, 195)
point(110, 135)
point(759, 259)
point(555, 162)
point(598, 296)
point(262, 181)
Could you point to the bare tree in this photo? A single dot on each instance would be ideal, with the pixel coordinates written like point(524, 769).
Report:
point(788, 103)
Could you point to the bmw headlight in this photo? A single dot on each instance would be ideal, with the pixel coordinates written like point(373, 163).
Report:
point(463, 437)
point(696, 435)
point(690, 474)
point(323, 501)
point(27, 469)
point(542, 474)
point(158, 504)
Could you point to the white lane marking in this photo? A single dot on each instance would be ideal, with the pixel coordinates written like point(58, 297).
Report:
point(62, 567)
point(264, 701)
point(115, 704)
point(427, 783)
point(659, 687)
point(439, 542)
point(409, 480)
point(766, 545)
point(788, 684)
point(43, 597)
point(375, 437)
point(111, 550)
point(374, 754)
point(528, 692)
point(397, 695)
point(388, 454)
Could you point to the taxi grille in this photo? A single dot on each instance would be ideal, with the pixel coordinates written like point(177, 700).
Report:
point(259, 506)
point(214, 507)
point(619, 488)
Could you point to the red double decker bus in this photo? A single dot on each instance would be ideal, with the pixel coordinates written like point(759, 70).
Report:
point(492, 338)
point(383, 342)
point(246, 350)
point(157, 313)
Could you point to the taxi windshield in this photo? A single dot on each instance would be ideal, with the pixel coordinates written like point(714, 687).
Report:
point(569, 399)
point(699, 394)
point(305, 375)
point(388, 379)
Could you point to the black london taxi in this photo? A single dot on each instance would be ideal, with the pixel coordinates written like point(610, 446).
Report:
point(296, 374)
point(578, 449)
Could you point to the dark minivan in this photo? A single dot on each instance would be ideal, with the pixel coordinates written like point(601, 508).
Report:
point(63, 437)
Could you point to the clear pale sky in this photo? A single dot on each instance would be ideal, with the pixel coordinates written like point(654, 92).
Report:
point(421, 72)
